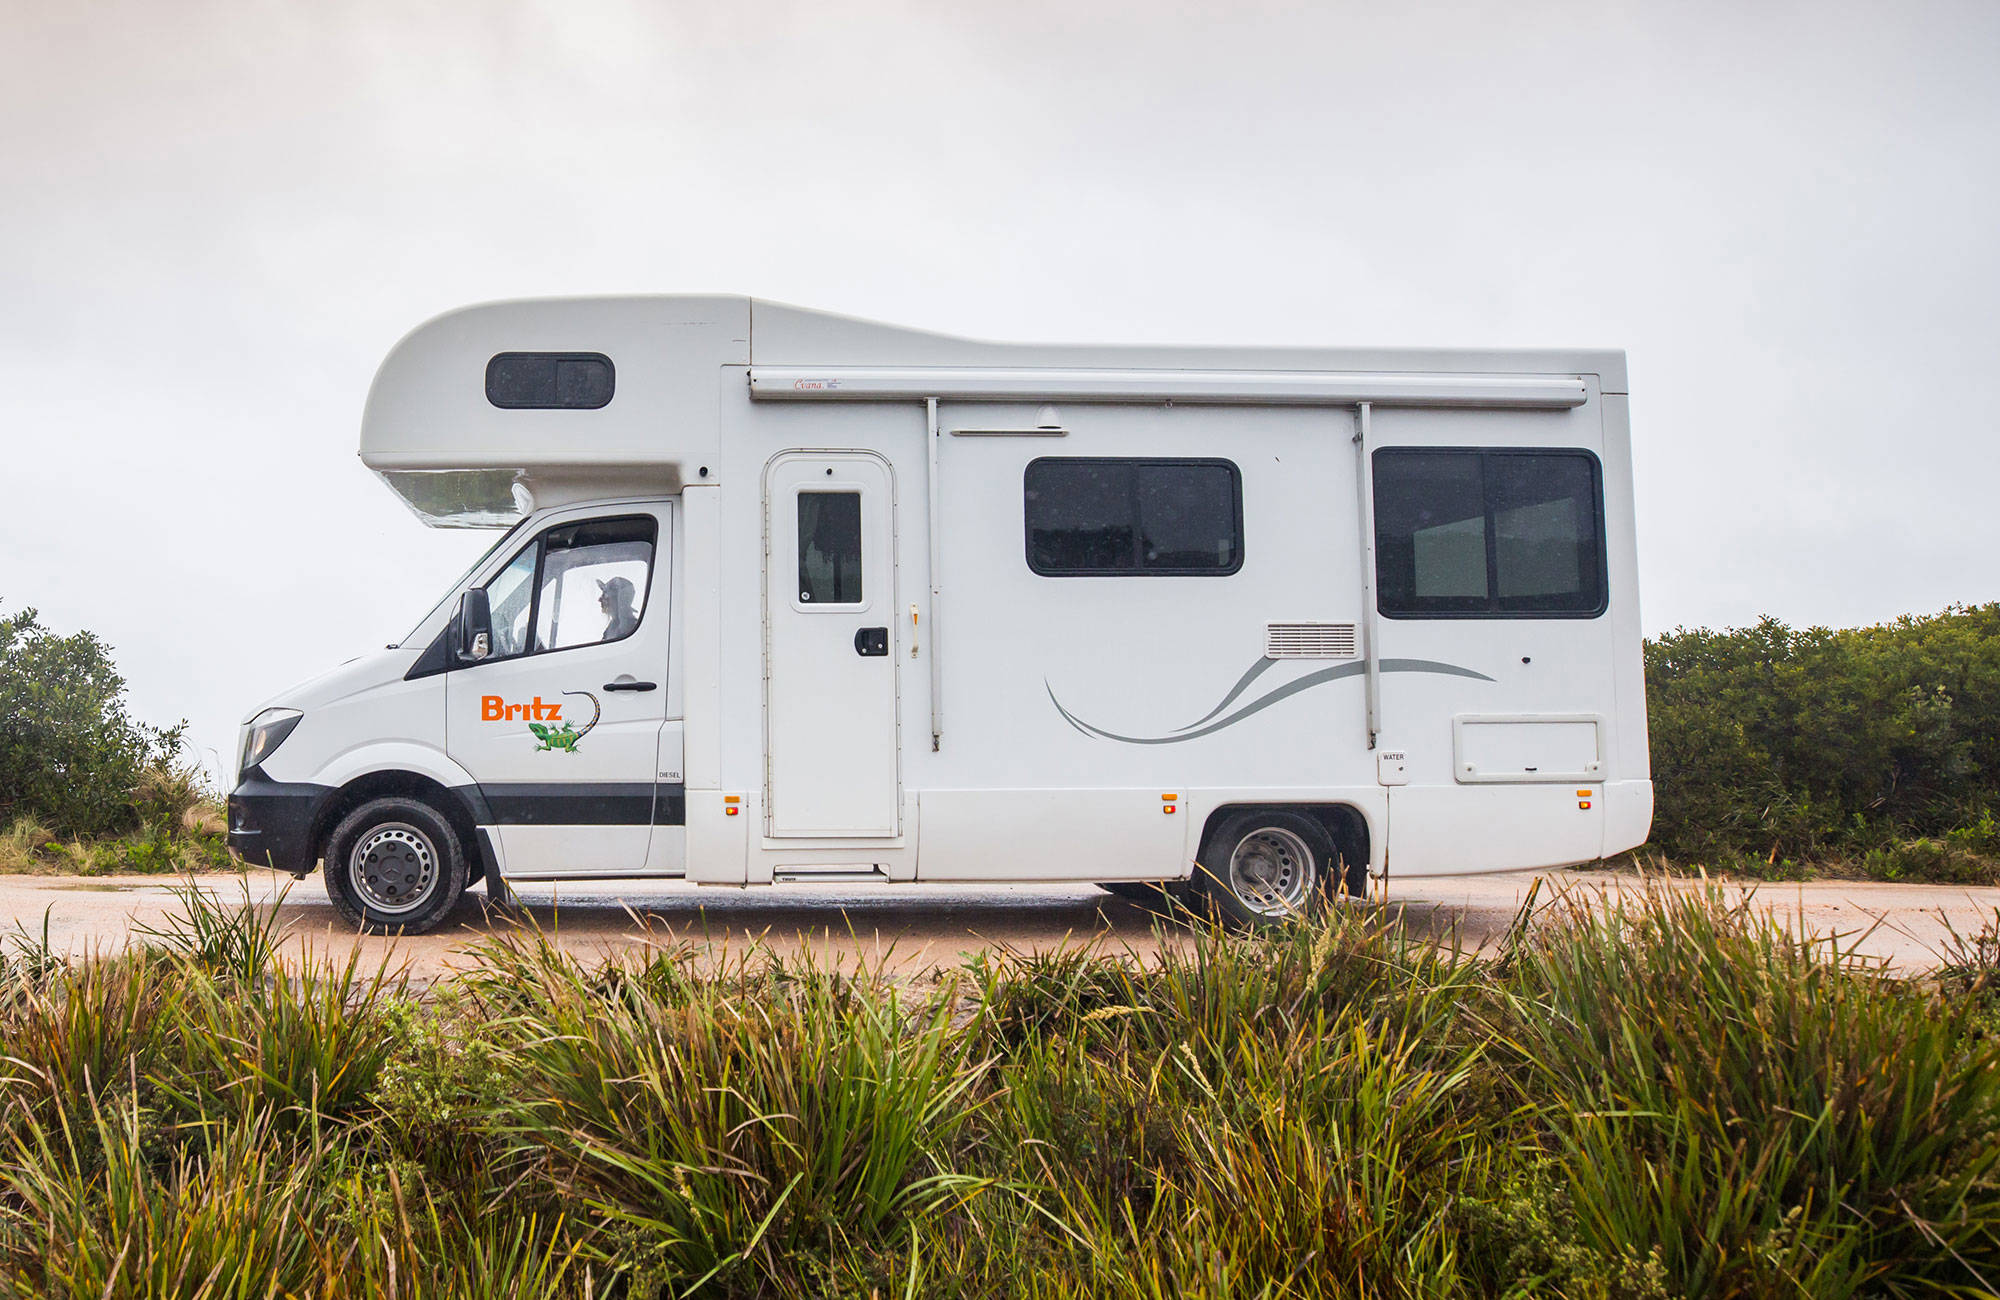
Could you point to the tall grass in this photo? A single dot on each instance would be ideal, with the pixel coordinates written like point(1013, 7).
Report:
point(1667, 1097)
point(723, 1126)
point(1764, 1113)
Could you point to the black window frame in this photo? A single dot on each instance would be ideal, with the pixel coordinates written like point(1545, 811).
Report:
point(1141, 569)
point(1493, 611)
point(502, 358)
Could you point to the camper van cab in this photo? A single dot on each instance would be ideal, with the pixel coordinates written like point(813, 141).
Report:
point(784, 596)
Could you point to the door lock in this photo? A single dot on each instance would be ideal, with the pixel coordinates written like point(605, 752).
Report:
point(871, 641)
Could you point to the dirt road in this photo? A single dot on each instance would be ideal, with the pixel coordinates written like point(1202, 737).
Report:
point(915, 928)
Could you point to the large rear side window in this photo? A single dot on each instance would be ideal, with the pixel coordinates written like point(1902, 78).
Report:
point(1500, 533)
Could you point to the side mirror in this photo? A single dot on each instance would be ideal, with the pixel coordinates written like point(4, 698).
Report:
point(475, 626)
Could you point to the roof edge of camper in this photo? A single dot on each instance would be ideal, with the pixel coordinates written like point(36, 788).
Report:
point(1303, 388)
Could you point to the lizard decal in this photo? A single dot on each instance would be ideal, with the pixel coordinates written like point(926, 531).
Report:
point(566, 736)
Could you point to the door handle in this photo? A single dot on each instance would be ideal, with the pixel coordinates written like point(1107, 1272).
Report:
point(631, 686)
point(871, 641)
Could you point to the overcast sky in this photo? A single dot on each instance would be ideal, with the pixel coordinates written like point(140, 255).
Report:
point(215, 218)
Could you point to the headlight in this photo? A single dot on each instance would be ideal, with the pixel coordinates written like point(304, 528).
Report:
point(267, 731)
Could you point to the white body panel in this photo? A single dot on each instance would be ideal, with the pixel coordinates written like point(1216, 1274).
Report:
point(1020, 725)
point(365, 717)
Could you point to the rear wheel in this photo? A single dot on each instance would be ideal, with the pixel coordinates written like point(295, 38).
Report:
point(395, 865)
point(1267, 868)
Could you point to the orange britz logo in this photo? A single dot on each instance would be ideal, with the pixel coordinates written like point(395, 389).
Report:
point(493, 708)
point(540, 715)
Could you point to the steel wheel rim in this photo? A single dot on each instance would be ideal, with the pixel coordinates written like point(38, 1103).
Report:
point(1272, 871)
point(393, 868)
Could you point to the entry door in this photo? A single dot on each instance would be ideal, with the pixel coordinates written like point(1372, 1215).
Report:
point(561, 725)
point(833, 645)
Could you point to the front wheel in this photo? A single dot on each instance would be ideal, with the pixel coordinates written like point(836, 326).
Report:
point(1265, 868)
point(395, 865)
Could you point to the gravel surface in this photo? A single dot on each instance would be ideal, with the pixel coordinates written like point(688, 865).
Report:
point(913, 928)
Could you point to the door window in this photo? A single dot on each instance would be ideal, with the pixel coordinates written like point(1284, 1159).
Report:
point(830, 548)
point(594, 581)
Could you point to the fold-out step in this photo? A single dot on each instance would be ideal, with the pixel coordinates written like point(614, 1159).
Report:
point(847, 873)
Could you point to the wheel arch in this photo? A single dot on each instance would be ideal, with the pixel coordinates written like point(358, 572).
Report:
point(455, 805)
point(1345, 824)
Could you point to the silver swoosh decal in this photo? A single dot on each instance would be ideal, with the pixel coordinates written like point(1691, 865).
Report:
point(1242, 685)
point(1262, 702)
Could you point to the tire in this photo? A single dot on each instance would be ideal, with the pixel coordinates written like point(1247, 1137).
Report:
point(1261, 869)
point(1353, 877)
point(395, 866)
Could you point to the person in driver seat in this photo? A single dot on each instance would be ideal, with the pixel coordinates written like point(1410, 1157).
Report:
point(617, 598)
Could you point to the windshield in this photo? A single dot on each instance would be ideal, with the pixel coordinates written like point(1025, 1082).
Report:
point(452, 590)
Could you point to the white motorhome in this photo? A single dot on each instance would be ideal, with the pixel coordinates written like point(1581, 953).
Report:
point(787, 596)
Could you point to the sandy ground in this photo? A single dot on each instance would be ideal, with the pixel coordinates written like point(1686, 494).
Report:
point(916, 928)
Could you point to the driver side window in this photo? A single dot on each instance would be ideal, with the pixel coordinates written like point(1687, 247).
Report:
point(593, 582)
point(576, 584)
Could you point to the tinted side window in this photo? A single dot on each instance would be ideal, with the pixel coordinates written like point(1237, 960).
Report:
point(1111, 516)
point(1080, 517)
point(1189, 516)
point(1430, 531)
point(1489, 534)
point(532, 381)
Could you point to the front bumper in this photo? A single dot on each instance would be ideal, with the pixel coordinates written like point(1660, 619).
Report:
point(271, 823)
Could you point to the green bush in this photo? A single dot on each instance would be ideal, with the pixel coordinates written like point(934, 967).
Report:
point(1814, 743)
point(70, 755)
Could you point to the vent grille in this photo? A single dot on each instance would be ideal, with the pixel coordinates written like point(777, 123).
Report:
point(1310, 641)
